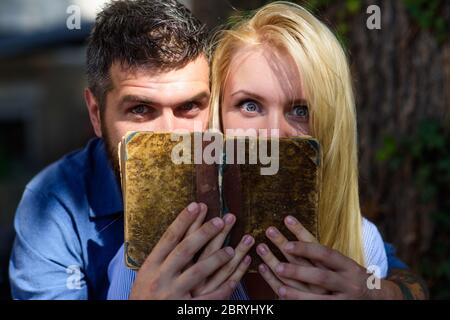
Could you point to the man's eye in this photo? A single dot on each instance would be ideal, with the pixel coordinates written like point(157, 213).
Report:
point(189, 106)
point(140, 109)
point(250, 106)
point(188, 110)
point(300, 111)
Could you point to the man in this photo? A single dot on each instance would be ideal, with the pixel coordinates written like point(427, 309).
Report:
point(147, 70)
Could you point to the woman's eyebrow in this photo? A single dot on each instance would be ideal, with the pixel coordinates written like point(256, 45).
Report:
point(291, 103)
point(250, 94)
point(298, 101)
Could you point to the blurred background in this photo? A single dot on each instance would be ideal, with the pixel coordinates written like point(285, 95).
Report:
point(402, 85)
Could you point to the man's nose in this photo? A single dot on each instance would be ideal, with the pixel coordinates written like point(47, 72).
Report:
point(167, 120)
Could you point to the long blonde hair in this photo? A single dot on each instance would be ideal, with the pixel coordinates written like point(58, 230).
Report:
point(326, 80)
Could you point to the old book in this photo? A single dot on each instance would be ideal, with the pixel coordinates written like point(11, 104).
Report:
point(260, 201)
point(155, 189)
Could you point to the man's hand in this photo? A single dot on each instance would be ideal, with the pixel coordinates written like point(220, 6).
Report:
point(235, 268)
point(169, 273)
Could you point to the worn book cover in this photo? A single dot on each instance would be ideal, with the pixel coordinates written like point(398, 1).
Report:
point(260, 201)
point(155, 189)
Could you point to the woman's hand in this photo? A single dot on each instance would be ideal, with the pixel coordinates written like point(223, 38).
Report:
point(313, 271)
point(280, 241)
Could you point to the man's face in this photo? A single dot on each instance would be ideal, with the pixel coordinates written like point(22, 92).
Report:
point(144, 101)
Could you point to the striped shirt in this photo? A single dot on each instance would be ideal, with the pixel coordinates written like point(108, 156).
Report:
point(121, 278)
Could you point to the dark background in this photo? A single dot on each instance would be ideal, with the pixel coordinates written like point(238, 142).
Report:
point(402, 84)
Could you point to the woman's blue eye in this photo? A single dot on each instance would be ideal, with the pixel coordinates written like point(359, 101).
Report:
point(250, 106)
point(300, 111)
point(140, 109)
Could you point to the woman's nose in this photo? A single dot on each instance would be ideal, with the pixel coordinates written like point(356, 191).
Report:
point(278, 126)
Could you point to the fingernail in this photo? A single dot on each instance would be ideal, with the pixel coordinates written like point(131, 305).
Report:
point(230, 251)
point(229, 219)
point(217, 222)
point(272, 232)
point(279, 268)
point(262, 268)
point(289, 246)
point(232, 284)
point(193, 207)
point(203, 207)
point(248, 240)
point(282, 291)
point(262, 250)
point(291, 220)
point(247, 260)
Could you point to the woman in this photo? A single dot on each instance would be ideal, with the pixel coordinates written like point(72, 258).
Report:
point(283, 69)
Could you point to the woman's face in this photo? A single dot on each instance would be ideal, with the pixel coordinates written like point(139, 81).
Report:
point(264, 91)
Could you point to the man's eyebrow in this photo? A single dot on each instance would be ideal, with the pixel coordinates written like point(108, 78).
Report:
point(136, 98)
point(199, 96)
point(146, 100)
point(196, 98)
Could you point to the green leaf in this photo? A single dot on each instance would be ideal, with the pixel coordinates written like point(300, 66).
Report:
point(353, 6)
point(388, 150)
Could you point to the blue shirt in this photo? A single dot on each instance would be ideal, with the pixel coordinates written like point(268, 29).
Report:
point(393, 261)
point(69, 225)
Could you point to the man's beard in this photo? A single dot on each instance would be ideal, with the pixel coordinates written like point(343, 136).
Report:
point(111, 151)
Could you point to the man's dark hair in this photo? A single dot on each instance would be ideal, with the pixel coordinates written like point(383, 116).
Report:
point(159, 35)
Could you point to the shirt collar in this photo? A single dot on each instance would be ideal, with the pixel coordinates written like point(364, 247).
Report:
point(104, 194)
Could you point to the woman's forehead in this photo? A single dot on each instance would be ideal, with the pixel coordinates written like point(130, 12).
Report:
point(264, 68)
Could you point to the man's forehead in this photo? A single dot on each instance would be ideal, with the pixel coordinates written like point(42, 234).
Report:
point(194, 71)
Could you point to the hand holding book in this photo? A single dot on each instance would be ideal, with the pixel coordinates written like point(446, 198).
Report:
point(169, 271)
point(313, 271)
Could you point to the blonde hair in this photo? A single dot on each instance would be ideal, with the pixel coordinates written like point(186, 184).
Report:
point(326, 80)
